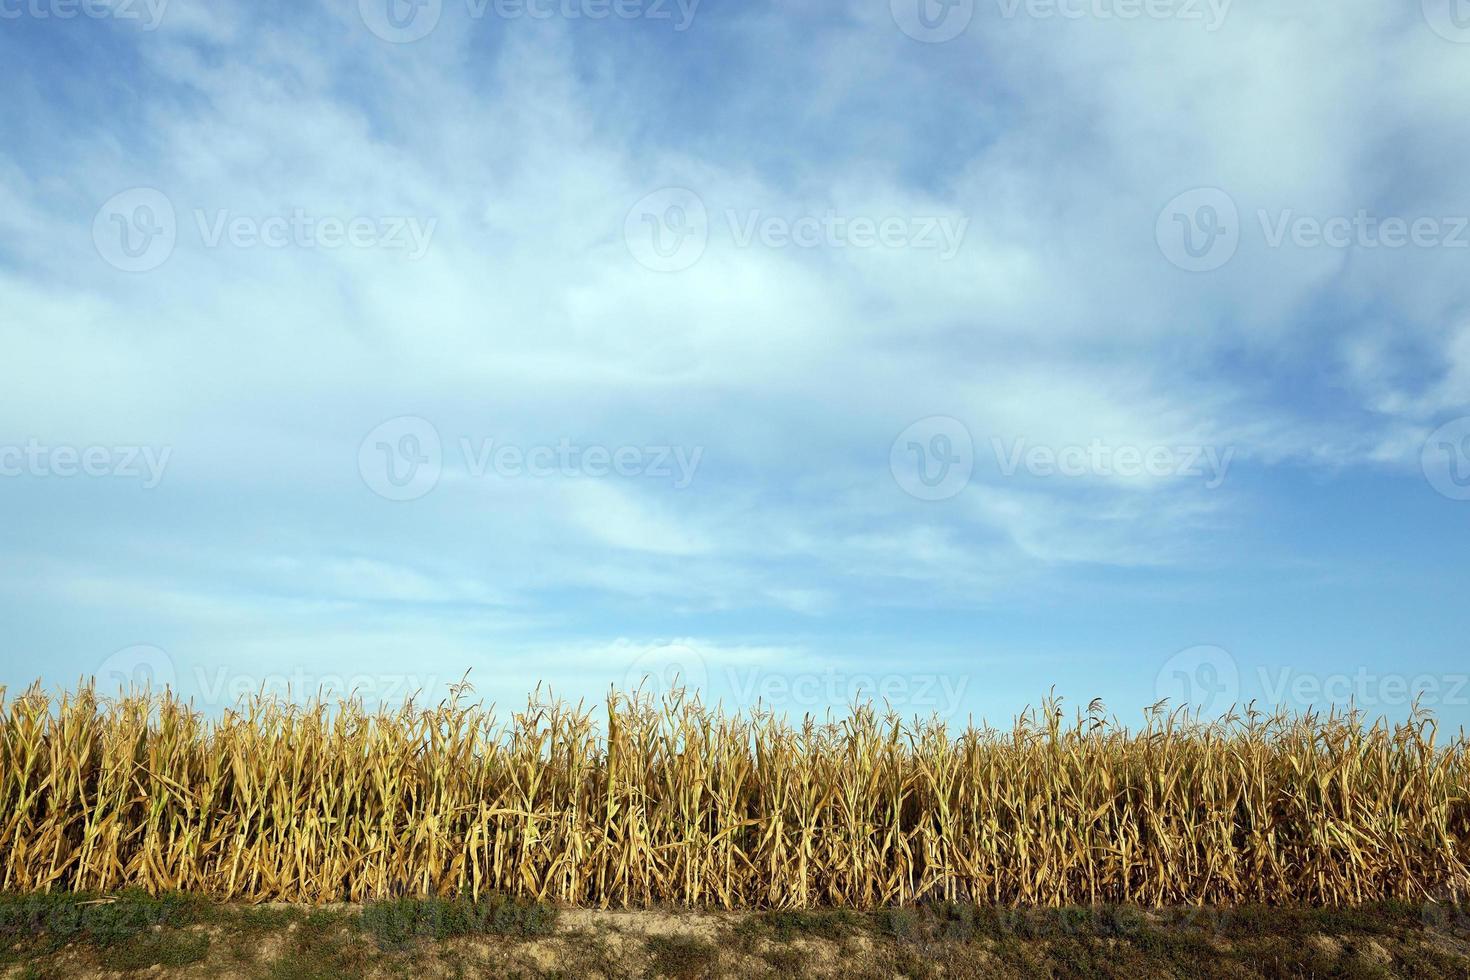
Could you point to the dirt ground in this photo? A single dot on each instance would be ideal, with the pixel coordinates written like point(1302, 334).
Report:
point(943, 941)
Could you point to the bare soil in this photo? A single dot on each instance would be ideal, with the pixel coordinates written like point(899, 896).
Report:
point(954, 941)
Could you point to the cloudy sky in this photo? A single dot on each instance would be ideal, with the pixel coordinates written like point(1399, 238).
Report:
point(948, 353)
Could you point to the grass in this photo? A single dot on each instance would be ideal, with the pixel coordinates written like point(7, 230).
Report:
point(60, 934)
point(100, 920)
point(132, 930)
point(136, 930)
point(788, 925)
point(398, 923)
point(683, 957)
point(674, 803)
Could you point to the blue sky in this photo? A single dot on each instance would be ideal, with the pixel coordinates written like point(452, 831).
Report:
point(950, 354)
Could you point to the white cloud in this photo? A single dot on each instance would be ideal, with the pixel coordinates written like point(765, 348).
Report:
point(1058, 321)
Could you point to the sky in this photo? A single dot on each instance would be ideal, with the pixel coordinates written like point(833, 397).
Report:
point(948, 353)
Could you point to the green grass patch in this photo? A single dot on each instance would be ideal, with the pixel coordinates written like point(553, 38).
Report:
point(683, 957)
point(824, 924)
point(323, 945)
point(136, 930)
point(167, 948)
point(398, 923)
point(99, 920)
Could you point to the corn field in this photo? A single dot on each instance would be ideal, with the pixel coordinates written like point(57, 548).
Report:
point(633, 803)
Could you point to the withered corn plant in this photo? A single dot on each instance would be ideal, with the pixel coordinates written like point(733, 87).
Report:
point(675, 802)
